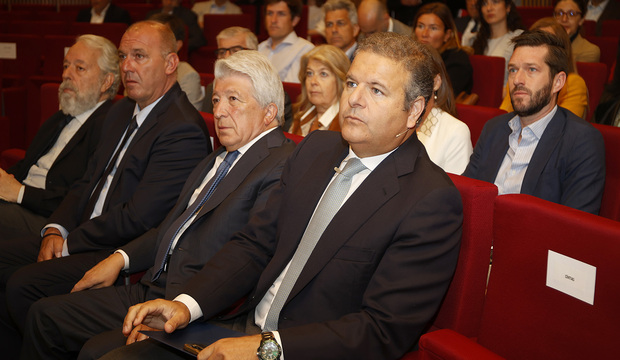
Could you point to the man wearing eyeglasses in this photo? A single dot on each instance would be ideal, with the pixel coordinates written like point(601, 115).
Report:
point(229, 41)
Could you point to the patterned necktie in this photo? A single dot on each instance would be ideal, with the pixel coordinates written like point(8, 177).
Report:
point(177, 225)
point(94, 197)
point(325, 211)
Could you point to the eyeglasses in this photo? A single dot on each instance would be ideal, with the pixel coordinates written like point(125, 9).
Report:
point(561, 13)
point(220, 53)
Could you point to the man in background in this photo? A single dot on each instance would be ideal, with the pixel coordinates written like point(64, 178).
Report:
point(103, 11)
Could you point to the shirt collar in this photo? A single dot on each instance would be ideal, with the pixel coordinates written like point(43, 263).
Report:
point(390, 25)
point(370, 162)
point(86, 114)
point(328, 115)
point(289, 39)
point(537, 128)
point(142, 114)
point(242, 150)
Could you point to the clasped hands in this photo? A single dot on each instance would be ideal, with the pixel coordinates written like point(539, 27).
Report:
point(9, 187)
point(172, 315)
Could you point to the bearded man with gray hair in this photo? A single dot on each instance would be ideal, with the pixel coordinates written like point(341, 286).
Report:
point(33, 188)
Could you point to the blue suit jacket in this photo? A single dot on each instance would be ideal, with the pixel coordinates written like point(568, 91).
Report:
point(567, 167)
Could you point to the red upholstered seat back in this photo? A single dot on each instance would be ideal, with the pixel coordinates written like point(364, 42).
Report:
point(488, 79)
point(475, 117)
point(610, 206)
point(595, 76)
point(525, 319)
point(210, 121)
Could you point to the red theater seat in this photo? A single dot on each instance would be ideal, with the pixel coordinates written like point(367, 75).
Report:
point(488, 79)
point(475, 117)
point(610, 207)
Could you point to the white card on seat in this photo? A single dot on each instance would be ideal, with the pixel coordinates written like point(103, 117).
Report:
point(8, 50)
point(571, 276)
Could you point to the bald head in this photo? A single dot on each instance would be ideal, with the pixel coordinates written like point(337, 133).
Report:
point(372, 17)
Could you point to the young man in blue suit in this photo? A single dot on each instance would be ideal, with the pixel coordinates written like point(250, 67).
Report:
point(541, 149)
point(355, 250)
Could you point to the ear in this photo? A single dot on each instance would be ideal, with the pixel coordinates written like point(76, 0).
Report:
point(106, 84)
point(447, 36)
point(416, 111)
point(295, 20)
point(172, 61)
point(558, 82)
point(270, 115)
point(179, 45)
point(581, 21)
point(356, 30)
point(436, 82)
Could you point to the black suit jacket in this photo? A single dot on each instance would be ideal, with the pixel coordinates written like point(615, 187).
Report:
point(165, 149)
point(611, 12)
point(379, 271)
point(196, 37)
point(68, 167)
point(567, 167)
point(242, 193)
point(114, 14)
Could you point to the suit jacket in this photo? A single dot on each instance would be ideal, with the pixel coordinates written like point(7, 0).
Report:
point(379, 271)
point(459, 70)
point(567, 167)
point(68, 167)
point(195, 35)
point(585, 51)
point(164, 150)
point(115, 14)
point(611, 12)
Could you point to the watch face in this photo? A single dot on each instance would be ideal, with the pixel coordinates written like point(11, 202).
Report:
point(270, 350)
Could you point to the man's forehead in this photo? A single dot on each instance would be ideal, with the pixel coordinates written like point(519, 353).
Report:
point(375, 74)
point(141, 39)
point(279, 6)
point(237, 40)
point(529, 55)
point(337, 15)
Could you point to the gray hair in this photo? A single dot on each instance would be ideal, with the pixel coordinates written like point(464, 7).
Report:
point(415, 58)
point(264, 77)
point(108, 60)
point(251, 42)
point(333, 5)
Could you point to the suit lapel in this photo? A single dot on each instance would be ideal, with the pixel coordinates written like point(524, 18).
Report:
point(547, 144)
point(498, 148)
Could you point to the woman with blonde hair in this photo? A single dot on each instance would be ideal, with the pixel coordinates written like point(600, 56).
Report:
point(447, 139)
point(322, 74)
point(574, 94)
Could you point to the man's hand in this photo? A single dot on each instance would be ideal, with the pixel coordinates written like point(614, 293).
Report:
point(51, 246)
point(101, 275)
point(241, 348)
point(9, 187)
point(159, 314)
point(136, 335)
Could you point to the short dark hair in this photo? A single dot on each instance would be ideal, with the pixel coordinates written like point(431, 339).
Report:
point(174, 23)
point(294, 6)
point(414, 57)
point(557, 57)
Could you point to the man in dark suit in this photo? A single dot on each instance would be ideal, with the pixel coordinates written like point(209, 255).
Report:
point(196, 37)
point(154, 139)
point(354, 252)
point(34, 187)
point(103, 11)
point(251, 129)
point(541, 149)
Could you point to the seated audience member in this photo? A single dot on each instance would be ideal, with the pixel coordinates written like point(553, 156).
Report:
point(187, 77)
point(468, 26)
point(541, 149)
point(154, 138)
point(601, 10)
point(571, 15)
point(447, 139)
point(229, 41)
point(434, 26)
point(283, 47)
point(322, 76)
point(373, 16)
point(499, 23)
point(103, 11)
point(254, 151)
point(574, 94)
point(58, 156)
point(213, 7)
point(341, 28)
point(608, 109)
point(369, 206)
point(196, 37)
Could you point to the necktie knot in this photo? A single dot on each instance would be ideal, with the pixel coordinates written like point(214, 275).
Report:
point(230, 157)
point(353, 166)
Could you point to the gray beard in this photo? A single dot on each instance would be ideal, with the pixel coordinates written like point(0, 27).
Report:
point(78, 103)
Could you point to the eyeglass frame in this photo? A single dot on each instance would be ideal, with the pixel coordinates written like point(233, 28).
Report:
point(232, 50)
point(569, 14)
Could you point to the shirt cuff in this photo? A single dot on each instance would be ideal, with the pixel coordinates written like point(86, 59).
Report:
point(192, 305)
point(58, 227)
point(65, 249)
point(20, 195)
point(277, 336)
point(126, 257)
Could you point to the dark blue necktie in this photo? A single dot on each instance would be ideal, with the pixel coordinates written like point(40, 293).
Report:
point(177, 225)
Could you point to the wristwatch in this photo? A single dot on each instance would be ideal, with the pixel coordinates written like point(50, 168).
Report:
point(269, 349)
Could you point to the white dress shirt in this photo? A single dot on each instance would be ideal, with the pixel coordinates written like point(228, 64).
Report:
point(286, 56)
point(98, 18)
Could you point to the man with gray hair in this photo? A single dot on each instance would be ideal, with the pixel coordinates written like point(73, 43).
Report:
point(341, 28)
point(33, 188)
point(247, 98)
point(323, 265)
